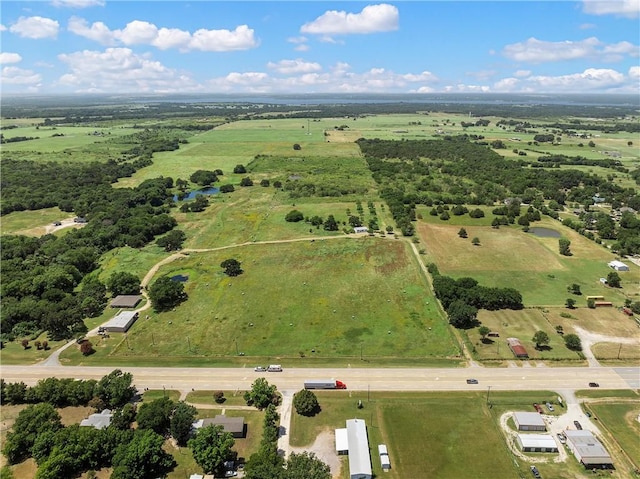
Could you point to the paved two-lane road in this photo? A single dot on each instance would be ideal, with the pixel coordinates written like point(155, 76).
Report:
point(357, 379)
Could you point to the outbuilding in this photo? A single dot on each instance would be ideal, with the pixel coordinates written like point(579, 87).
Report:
point(517, 348)
point(529, 421)
point(537, 443)
point(587, 448)
point(126, 301)
point(98, 420)
point(121, 322)
point(385, 462)
point(361, 229)
point(233, 425)
point(359, 457)
point(618, 265)
point(342, 441)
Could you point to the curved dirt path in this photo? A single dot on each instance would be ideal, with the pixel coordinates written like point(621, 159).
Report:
point(588, 339)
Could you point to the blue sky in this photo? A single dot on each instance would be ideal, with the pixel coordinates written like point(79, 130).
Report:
point(101, 46)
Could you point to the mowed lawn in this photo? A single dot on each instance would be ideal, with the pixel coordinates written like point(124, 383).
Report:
point(621, 423)
point(331, 296)
point(508, 257)
point(435, 435)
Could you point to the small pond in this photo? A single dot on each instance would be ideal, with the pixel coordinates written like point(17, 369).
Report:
point(544, 232)
point(192, 194)
point(180, 278)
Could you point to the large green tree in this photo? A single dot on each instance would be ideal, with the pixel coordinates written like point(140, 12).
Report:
point(541, 338)
point(182, 421)
point(156, 415)
point(572, 341)
point(232, 267)
point(123, 282)
point(613, 279)
point(172, 241)
point(142, 458)
point(211, 447)
point(306, 403)
point(462, 315)
point(166, 294)
point(306, 466)
point(262, 394)
point(203, 177)
point(115, 389)
point(29, 424)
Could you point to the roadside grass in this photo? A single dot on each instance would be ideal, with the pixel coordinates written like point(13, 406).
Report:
point(523, 325)
point(231, 398)
point(607, 393)
point(324, 302)
point(617, 353)
point(509, 257)
point(14, 353)
point(620, 421)
point(32, 223)
point(153, 394)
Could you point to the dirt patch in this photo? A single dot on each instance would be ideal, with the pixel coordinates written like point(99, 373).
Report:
point(324, 448)
point(511, 438)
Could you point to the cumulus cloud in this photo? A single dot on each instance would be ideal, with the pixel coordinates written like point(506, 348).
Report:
point(300, 43)
point(288, 67)
point(522, 73)
point(6, 57)
point(372, 19)
point(3, 28)
point(35, 27)
point(19, 76)
point(78, 3)
point(634, 73)
point(539, 51)
point(139, 32)
point(121, 70)
point(598, 79)
point(625, 8)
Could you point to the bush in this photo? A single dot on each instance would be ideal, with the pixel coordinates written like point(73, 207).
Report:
point(294, 216)
point(218, 397)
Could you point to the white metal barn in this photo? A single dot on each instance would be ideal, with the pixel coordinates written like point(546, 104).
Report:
point(529, 421)
point(537, 443)
point(342, 441)
point(121, 323)
point(587, 449)
point(359, 457)
point(618, 265)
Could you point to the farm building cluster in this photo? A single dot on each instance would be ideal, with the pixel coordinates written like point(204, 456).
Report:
point(353, 441)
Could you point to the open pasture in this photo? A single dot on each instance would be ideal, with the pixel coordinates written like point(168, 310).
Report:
point(522, 325)
point(32, 222)
point(508, 257)
point(622, 427)
point(325, 299)
point(604, 321)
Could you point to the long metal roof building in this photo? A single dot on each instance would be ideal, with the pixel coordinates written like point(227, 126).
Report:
point(359, 457)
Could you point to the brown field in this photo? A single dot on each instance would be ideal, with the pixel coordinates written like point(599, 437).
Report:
point(617, 351)
point(500, 249)
point(606, 321)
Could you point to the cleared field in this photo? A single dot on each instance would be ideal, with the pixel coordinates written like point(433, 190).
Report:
point(14, 353)
point(231, 398)
point(605, 321)
point(522, 325)
point(335, 297)
point(622, 425)
point(508, 257)
point(32, 223)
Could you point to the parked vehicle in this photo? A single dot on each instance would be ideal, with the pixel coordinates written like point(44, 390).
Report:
point(577, 425)
point(537, 407)
point(274, 368)
point(259, 369)
point(324, 384)
point(535, 472)
point(550, 407)
point(562, 438)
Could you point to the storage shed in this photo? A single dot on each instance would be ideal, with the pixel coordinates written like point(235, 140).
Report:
point(587, 449)
point(126, 301)
point(517, 348)
point(537, 443)
point(342, 441)
point(121, 322)
point(385, 462)
point(359, 457)
point(618, 265)
point(98, 420)
point(233, 425)
point(529, 421)
point(361, 229)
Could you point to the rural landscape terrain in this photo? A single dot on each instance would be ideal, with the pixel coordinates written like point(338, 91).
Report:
point(451, 260)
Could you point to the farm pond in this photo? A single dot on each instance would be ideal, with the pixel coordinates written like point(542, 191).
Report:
point(544, 232)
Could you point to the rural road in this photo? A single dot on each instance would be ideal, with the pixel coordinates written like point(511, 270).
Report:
point(357, 379)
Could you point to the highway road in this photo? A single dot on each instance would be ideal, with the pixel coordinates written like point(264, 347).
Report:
point(357, 379)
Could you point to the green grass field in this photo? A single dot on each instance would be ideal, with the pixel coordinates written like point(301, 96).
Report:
point(621, 425)
point(321, 303)
point(508, 257)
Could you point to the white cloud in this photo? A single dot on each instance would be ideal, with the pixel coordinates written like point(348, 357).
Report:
point(634, 73)
point(506, 85)
point(19, 76)
point(288, 67)
point(539, 51)
point(97, 32)
point(522, 73)
point(6, 57)
point(482, 74)
point(139, 32)
point(300, 43)
point(592, 79)
point(3, 28)
point(462, 88)
point(372, 19)
point(587, 26)
point(120, 70)
point(35, 27)
point(78, 3)
point(625, 8)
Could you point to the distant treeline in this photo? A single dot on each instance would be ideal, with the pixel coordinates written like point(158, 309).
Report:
point(559, 159)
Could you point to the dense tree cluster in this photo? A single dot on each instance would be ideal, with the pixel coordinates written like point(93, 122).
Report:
point(166, 294)
point(262, 394)
point(462, 298)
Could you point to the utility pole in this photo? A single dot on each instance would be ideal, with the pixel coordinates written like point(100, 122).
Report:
point(488, 392)
point(188, 344)
point(237, 353)
point(619, 349)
